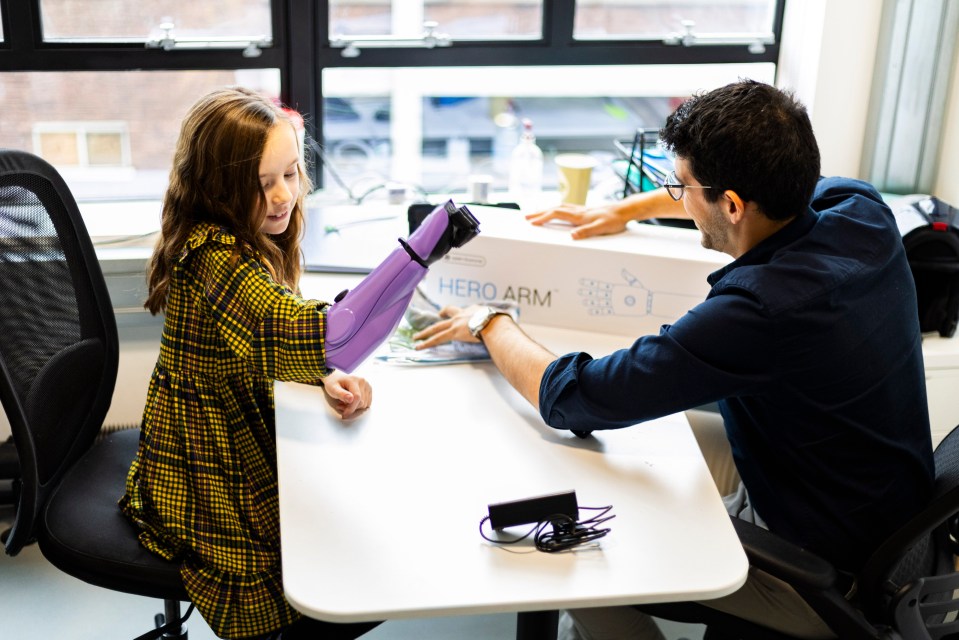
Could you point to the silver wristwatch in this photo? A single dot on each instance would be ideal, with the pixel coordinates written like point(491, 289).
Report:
point(481, 318)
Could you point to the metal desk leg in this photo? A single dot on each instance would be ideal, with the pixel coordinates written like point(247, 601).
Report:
point(537, 625)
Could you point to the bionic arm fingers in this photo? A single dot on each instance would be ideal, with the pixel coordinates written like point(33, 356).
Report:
point(365, 316)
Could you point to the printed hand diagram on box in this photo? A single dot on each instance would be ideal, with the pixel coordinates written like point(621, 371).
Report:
point(632, 299)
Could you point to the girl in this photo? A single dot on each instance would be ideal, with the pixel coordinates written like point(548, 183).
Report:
point(203, 487)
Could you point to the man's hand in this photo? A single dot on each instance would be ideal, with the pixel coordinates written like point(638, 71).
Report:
point(347, 394)
point(587, 222)
point(610, 218)
point(453, 326)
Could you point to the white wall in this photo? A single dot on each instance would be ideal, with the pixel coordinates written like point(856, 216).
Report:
point(947, 184)
point(828, 58)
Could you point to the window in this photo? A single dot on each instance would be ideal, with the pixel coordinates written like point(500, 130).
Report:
point(73, 20)
point(704, 19)
point(458, 19)
point(432, 128)
point(110, 133)
point(419, 91)
point(518, 19)
point(414, 94)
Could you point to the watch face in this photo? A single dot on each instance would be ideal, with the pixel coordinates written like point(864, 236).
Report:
point(478, 320)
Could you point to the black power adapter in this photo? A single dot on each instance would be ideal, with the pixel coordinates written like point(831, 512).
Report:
point(554, 506)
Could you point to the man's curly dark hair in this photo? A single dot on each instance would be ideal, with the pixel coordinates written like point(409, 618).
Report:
point(751, 138)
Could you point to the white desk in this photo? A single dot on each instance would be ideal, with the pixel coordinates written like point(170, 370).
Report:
point(380, 515)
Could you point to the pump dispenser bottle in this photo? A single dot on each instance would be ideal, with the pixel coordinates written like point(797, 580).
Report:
point(526, 165)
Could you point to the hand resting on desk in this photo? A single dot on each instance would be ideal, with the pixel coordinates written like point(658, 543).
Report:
point(347, 394)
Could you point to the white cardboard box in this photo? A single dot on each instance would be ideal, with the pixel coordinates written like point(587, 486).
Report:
point(629, 283)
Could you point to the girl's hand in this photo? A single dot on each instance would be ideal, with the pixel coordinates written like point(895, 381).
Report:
point(347, 394)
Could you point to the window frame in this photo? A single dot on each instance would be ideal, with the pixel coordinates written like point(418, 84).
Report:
point(302, 50)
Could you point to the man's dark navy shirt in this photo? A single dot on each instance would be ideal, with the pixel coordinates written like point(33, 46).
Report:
point(810, 344)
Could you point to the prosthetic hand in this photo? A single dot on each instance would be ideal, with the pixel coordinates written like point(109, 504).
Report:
point(365, 316)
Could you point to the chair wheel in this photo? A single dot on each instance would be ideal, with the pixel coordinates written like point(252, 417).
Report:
point(159, 620)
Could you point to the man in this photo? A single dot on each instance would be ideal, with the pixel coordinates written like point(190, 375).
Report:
point(809, 342)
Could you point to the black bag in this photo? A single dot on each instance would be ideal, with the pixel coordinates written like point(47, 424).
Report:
point(930, 233)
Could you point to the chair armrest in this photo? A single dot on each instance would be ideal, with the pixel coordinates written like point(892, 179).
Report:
point(815, 579)
point(784, 560)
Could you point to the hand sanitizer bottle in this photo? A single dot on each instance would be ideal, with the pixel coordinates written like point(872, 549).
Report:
point(526, 165)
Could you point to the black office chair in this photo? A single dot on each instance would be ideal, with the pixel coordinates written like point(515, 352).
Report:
point(58, 367)
point(906, 590)
point(9, 471)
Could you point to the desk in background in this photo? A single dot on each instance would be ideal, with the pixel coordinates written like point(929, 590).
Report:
point(941, 359)
point(380, 515)
point(344, 238)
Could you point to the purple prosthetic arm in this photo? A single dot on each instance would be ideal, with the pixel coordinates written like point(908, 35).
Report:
point(365, 316)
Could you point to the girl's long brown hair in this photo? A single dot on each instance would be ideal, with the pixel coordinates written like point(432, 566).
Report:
point(215, 179)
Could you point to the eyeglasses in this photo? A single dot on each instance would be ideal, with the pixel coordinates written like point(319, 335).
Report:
point(675, 188)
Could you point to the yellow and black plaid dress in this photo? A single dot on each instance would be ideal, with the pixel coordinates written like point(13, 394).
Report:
point(203, 488)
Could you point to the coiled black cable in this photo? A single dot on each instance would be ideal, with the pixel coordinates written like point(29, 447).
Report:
point(560, 532)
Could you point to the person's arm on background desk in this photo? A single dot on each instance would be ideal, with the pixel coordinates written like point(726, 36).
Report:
point(611, 218)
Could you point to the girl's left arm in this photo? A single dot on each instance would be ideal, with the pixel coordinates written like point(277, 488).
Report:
point(281, 335)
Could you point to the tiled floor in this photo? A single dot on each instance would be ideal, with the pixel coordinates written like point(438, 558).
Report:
point(38, 601)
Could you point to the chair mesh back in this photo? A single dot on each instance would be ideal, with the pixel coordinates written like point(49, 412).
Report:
point(947, 464)
point(923, 546)
point(922, 559)
point(39, 315)
point(58, 342)
point(947, 491)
